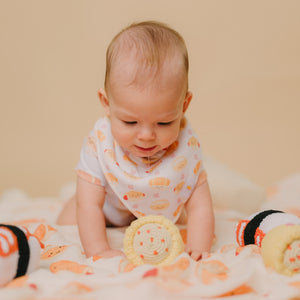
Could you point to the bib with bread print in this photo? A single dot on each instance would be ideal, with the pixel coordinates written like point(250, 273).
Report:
point(158, 185)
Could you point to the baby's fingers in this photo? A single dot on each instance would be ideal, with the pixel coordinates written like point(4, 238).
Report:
point(196, 255)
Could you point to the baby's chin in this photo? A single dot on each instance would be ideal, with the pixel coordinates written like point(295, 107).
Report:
point(146, 155)
point(154, 157)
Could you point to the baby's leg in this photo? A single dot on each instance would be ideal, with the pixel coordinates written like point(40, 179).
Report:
point(68, 214)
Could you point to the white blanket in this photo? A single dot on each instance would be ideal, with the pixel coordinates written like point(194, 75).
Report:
point(231, 272)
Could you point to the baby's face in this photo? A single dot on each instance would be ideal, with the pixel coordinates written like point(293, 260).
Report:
point(145, 120)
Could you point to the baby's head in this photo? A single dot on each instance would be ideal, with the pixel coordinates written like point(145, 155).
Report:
point(146, 87)
point(149, 48)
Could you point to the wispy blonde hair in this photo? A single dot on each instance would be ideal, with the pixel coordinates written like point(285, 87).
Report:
point(153, 42)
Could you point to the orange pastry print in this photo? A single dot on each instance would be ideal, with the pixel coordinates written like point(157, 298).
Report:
point(182, 264)
point(172, 148)
point(193, 143)
point(88, 177)
point(51, 251)
point(241, 290)
point(179, 187)
point(211, 270)
point(197, 167)
point(131, 176)
point(154, 167)
point(138, 213)
point(91, 142)
point(183, 233)
point(110, 154)
point(100, 135)
point(127, 158)
point(110, 177)
point(43, 232)
point(126, 266)
point(179, 163)
point(159, 182)
point(133, 195)
point(160, 204)
point(178, 210)
point(71, 266)
point(97, 257)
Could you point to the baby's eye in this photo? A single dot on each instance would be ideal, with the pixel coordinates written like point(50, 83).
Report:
point(165, 123)
point(130, 122)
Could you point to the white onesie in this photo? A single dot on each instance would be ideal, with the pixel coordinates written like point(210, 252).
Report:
point(137, 186)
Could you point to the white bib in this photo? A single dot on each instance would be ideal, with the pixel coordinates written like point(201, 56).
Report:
point(158, 186)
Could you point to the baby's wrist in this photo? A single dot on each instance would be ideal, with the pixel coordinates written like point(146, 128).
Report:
point(190, 249)
point(104, 250)
point(109, 253)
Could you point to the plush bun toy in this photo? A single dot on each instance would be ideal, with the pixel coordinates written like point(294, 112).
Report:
point(152, 240)
point(19, 252)
point(278, 235)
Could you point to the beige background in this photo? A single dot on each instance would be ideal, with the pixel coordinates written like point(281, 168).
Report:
point(245, 76)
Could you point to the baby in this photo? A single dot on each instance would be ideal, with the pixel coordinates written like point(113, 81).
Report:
point(143, 157)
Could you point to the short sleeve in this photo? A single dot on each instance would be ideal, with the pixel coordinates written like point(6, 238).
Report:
point(88, 167)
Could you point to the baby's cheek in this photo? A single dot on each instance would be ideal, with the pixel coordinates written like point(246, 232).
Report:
point(122, 135)
point(170, 137)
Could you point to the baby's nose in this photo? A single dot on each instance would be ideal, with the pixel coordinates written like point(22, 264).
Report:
point(146, 133)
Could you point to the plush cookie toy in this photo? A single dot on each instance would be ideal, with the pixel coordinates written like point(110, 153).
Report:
point(278, 235)
point(19, 252)
point(152, 240)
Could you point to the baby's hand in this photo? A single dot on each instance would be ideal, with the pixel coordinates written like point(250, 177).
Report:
point(110, 253)
point(196, 254)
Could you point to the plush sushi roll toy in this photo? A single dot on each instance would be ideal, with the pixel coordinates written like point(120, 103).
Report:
point(152, 240)
point(278, 235)
point(19, 252)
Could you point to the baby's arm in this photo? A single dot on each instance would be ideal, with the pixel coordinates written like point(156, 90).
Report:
point(91, 220)
point(200, 222)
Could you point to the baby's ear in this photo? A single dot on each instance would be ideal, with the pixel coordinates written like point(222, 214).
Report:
point(187, 101)
point(104, 101)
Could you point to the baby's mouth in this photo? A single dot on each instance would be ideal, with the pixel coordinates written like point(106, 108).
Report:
point(149, 149)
